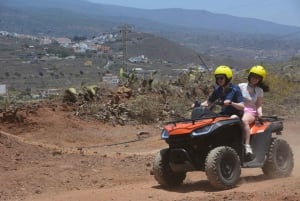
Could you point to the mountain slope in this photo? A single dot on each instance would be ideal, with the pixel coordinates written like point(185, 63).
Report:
point(190, 19)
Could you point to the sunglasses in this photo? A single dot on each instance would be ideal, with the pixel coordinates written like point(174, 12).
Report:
point(220, 77)
point(256, 77)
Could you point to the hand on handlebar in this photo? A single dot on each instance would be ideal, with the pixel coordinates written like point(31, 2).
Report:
point(227, 102)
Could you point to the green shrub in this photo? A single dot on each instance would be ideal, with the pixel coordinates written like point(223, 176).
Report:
point(146, 108)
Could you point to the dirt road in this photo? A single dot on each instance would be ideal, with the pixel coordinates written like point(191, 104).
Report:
point(55, 156)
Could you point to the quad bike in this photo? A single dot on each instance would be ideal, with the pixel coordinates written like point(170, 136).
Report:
point(214, 144)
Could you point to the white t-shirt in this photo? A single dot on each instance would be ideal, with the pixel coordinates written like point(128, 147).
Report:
point(250, 95)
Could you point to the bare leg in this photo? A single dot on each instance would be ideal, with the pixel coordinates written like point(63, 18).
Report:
point(247, 119)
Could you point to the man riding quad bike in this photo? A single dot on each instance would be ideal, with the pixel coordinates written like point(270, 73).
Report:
point(213, 143)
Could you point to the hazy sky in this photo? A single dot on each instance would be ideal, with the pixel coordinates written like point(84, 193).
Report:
point(280, 11)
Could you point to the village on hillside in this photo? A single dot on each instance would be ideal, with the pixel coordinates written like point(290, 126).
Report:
point(100, 45)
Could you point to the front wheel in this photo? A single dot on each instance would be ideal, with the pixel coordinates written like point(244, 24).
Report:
point(280, 162)
point(223, 167)
point(163, 172)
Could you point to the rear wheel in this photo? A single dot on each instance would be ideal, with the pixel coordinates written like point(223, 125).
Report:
point(223, 167)
point(163, 172)
point(280, 162)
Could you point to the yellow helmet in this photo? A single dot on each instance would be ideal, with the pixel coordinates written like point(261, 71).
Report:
point(259, 70)
point(224, 70)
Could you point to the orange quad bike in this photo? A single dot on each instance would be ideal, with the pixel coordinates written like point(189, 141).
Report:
point(213, 143)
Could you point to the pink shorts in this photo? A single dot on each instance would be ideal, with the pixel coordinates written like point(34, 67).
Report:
point(250, 110)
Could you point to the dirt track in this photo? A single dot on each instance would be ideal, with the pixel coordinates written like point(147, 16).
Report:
point(55, 156)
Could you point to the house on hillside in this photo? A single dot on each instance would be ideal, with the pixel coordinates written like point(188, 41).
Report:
point(142, 73)
point(80, 47)
point(65, 42)
point(198, 67)
point(45, 41)
point(139, 59)
point(111, 79)
point(105, 49)
point(5, 33)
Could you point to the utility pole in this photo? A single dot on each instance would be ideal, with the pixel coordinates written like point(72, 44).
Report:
point(203, 63)
point(124, 30)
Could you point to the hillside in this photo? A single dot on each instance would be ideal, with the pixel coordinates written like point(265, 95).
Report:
point(211, 33)
point(171, 17)
point(26, 63)
point(156, 48)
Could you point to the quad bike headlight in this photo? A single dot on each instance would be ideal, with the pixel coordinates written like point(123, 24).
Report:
point(202, 131)
point(164, 134)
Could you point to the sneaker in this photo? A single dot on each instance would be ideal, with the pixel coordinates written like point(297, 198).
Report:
point(248, 149)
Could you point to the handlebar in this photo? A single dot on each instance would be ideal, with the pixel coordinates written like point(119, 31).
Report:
point(218, 102)
point(260, 120)
point(263, 119)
